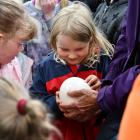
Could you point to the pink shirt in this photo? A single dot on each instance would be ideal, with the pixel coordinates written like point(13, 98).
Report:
point(12, 71)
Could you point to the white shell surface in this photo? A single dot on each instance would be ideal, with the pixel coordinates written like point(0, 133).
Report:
point(71, 84)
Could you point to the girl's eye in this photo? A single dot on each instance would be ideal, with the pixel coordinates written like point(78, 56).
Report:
point(64, 49)
point(79, 49)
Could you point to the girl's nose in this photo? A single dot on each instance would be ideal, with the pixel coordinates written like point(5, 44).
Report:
point(72, 55)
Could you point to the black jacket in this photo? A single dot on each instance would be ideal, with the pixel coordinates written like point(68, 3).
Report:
point(108, 18)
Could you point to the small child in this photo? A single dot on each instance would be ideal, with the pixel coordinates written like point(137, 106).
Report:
point(16, 27)
point(79, 50)
point(19, 69)
point(21, 118)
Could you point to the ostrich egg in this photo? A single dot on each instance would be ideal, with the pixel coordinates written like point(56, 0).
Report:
point(71, 84)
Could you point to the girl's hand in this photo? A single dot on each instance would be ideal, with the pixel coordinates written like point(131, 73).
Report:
point(93, 82)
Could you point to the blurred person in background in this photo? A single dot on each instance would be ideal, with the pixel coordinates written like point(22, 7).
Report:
point(22, 118)
point(108, 18)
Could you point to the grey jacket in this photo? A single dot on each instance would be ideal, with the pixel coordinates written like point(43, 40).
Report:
point(108, 18)
point(39, 47)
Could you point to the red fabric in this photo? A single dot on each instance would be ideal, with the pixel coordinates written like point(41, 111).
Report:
point(54, 85)
point(74, 69)
point(73, 130)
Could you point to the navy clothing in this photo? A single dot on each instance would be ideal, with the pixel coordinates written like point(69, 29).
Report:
point(49, 77)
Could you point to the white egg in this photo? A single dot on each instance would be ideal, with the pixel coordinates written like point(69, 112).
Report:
point(70, 84)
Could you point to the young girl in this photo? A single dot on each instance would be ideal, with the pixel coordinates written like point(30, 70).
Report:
point(21, 118)
point(16, 27)
point(79, 50)
point(19, 70)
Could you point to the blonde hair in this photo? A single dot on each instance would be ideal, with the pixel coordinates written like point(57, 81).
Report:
point(76, 21)
point(33, 125)
point(19, 1)
point(14, 21)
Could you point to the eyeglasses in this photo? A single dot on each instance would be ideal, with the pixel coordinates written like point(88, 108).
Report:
point(22, 44)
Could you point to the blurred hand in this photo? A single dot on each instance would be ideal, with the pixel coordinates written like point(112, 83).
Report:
point(48, 7)
point(93, 82)
point(58, 101)
point(84, 108)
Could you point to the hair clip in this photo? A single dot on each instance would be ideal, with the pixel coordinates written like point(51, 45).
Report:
point(21, 106)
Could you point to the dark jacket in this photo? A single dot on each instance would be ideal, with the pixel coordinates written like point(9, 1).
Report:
point(49, 77)
point(123, 71)
point(108, 18)
point(93, 4)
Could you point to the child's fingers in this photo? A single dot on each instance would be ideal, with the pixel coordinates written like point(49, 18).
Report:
point(93, 77)
point(96, 86)
point(92, 81)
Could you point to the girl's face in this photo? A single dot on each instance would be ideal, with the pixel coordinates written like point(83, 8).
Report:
point(9, 49)
point(71, 51)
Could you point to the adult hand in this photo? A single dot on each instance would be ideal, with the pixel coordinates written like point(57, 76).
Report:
point(93, 82)
point(83, 108)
